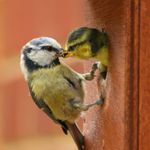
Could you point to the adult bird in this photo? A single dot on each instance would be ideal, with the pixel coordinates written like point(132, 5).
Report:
point(55, 88)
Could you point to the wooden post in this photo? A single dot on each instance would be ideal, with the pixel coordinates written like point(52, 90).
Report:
point(144, 77)
point(123, 123)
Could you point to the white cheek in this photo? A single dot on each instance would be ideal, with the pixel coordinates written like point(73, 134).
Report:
point(42, 57)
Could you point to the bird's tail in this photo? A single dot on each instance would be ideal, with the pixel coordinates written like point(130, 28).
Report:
point(76, 135)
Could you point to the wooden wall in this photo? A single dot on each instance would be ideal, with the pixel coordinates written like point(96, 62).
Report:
point(124, 122)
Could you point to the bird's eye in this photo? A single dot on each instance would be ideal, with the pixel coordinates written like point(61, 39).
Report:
point(47, 47)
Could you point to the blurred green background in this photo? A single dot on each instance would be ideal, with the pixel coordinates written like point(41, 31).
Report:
point(22, 125)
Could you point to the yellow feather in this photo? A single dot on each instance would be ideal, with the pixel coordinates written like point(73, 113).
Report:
point(83, 51)
point(102, 56)
point(50, 86)
point(80, 39)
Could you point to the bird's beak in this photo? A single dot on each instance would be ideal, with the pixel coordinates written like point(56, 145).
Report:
point(65, 54)
point(60, 53)
point(68, 54)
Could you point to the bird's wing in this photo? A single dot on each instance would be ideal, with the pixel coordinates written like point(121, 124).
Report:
point(42, 105)
point(73, 81)
point(70, 74)
point(73, 129)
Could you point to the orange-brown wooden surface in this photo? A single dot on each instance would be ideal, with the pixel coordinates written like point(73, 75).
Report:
point(104, 127)
point(144, 105)
point(116, 125)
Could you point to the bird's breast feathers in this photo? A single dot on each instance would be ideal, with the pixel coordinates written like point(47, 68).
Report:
point(58, 87)
point(102, 55)
point(83, 51)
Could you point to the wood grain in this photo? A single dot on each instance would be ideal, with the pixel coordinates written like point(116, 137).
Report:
point(115, 126)
point(144, 105)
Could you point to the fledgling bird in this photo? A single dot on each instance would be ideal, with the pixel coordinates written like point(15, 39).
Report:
point(55, 88)
point(86, 43)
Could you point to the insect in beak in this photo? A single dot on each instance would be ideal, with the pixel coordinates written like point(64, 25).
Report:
point(60, 53)
point(67, 54)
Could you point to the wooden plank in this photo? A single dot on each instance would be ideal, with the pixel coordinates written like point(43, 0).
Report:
point(144, 110)
point(115, 127)
point(132, 77)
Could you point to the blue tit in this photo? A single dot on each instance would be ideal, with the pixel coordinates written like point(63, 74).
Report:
point(86, 43)
point(55, 88)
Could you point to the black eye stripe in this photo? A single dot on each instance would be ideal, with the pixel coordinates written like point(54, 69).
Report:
point(71, 48)
point(49, 48)
point(27, 50)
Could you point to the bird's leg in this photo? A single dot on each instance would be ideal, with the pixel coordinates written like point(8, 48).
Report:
point(102, 78)
point(101, 81)
point(102, 70)
point(85, 107)
point(90, 75)
point(98, 102)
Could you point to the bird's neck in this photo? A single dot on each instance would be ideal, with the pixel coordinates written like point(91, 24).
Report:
point(102, 55)
point(54, 63)
point(35, 66)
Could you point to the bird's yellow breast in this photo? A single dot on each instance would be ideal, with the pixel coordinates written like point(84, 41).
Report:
point(102, 55)
point(51, 86)
point(83, 51)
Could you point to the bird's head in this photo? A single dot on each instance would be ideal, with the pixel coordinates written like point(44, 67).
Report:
point(78, 44)
point(86, 43)
point(40, 53)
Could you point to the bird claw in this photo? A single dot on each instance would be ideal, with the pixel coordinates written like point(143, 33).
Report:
point(100, 101)
point(96, 65)
point(90, 76)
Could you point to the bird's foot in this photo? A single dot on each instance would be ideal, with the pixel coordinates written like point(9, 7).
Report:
point(96, 103)
point(90, 76)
